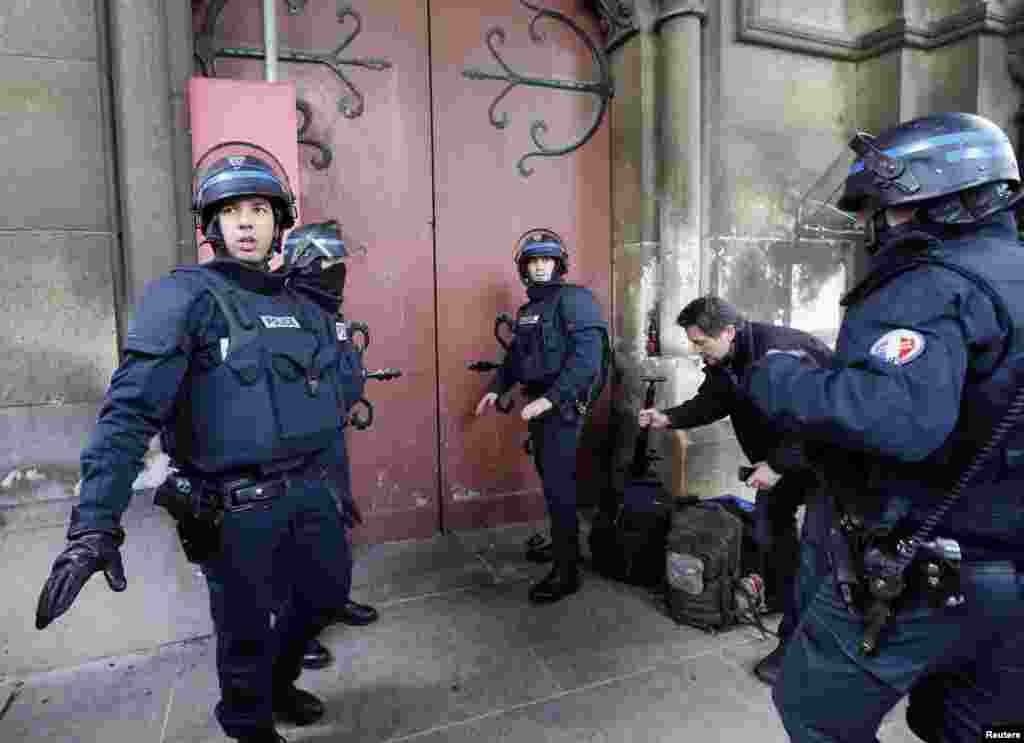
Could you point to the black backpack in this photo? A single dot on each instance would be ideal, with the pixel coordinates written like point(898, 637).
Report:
point(629, 544)
point(703, 557)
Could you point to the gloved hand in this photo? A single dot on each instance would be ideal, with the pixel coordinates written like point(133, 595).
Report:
point(87, 553)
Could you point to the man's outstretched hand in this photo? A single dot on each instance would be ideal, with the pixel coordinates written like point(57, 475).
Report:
point(86, 554)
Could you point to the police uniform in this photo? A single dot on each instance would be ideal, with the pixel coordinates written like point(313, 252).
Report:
point(246, 382)
point(762, 440)
point(928, 358)
point(250, 408)
point(557, 353)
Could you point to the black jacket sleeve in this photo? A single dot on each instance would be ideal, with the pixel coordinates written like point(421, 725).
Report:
point(711, 403)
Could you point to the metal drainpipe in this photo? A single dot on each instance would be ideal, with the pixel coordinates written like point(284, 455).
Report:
point(270, 41)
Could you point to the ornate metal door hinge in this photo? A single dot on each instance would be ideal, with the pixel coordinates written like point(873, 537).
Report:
point(602, 88)
point(208, 48)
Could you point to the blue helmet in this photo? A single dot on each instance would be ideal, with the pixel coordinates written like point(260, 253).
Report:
point(309, 242)
point(540, 243)
point(957, 167)
point(233, 169)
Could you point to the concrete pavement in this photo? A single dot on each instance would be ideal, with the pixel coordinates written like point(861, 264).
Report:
point(458, 655)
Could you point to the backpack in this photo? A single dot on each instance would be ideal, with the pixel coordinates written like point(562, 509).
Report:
point(750, 553)
point(703, 562)
point(629, 544)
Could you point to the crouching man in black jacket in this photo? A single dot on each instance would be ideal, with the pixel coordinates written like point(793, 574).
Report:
point(729, 345)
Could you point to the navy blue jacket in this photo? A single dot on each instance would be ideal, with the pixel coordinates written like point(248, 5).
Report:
point(721, 394)
point(926, 363)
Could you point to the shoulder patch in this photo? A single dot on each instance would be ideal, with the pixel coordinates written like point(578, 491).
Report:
point(342, 330)
point(899, 346)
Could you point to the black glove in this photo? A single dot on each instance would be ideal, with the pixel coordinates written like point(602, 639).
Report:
point(87, 553)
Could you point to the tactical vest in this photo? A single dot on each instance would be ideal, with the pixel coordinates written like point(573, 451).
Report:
point(542, 346)
point(989, 517)
point(271, 389)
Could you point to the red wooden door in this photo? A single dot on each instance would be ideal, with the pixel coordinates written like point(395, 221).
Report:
point(430, 189)
point(483, 205)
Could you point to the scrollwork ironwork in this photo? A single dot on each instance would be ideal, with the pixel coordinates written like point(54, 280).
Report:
point(326, 154)
point(352, 105)
point(602, 88)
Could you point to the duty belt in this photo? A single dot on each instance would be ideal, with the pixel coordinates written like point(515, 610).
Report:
point(244, 489)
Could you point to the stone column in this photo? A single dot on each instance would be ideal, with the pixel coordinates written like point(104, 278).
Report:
point(634, 226)
point(144, 139)
point(656, 184)
point(680, 208)
point(180, 64)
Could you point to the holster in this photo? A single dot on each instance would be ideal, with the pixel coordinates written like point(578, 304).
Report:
point(198, 505)
point(200, 540)
point(198, 511)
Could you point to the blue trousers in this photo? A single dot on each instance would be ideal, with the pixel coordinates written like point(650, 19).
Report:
point(555, 444)
point(297, 541)
point(963, 667)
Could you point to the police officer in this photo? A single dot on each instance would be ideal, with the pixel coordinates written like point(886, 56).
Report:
point(927, 361)
point(729, 344)
point(246, 381)
point(557, 357)
point(315, 261)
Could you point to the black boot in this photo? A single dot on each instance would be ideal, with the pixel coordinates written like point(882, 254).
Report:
point(770, 667)
point(564, 578)
point(539, 548)
point(356, 615)
point(297, 706)
point(316, 655)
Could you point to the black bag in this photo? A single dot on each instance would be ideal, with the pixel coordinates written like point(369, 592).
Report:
point(703, 562)
point(630, 545)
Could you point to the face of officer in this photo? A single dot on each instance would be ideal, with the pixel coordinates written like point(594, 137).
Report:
point(539, 268)
point(713, 349)
point(247, 224)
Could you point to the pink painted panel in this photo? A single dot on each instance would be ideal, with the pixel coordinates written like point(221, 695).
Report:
point(248, 111)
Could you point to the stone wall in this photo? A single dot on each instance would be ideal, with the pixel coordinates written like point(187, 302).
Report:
point(783, 86)
point(94, 138)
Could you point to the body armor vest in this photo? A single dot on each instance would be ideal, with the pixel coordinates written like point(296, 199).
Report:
point(541, 344)
point(266, 392)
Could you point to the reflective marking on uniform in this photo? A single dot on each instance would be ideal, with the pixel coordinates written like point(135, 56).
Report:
point(975, 153)
point(279, 321)
point(529, 319)
point(899, 346)
point(977, 136)
point(342, 329)
point(224, 344)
